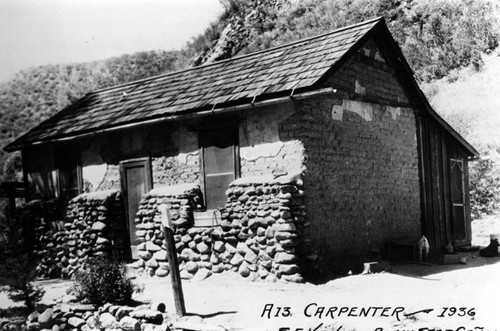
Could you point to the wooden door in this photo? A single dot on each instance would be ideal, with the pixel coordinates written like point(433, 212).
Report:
point(219, 164)
point(136, 181)
point(458, 200)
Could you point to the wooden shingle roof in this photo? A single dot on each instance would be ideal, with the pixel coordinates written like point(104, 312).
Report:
point(278, 71)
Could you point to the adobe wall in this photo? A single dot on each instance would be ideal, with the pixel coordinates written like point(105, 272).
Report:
point(182, 166)
point(174, 156)
point(175, 153)
point(110, 180)
point(366, 74)
point(262, 150)
point(361, 178)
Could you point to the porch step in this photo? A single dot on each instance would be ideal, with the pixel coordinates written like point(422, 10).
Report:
point(467, 249)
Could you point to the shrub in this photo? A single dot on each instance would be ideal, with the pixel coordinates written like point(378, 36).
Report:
point(18, 262)
point(18, 275)
point(103, 281)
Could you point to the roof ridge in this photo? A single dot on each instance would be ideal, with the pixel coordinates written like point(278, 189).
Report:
point(378, 18)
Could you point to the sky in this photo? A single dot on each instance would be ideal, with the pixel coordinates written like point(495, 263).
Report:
point(40, 32)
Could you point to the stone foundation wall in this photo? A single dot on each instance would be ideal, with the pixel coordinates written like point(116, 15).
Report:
point(182, 200)
point(257, 235)
point(45, 218)
point(264, 219)
point(96, 228)
point(93, 226)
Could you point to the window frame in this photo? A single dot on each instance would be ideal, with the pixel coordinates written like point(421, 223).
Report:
point(229, 124)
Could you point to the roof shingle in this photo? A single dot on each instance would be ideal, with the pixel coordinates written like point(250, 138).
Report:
point(298, 65)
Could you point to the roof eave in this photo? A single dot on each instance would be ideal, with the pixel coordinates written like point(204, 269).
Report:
point(379, 28)
point(33, 137)
point(264, 100)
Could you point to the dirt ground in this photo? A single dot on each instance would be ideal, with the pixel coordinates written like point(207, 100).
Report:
point(452, 296)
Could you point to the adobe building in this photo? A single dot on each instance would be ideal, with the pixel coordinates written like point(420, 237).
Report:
point(273, 163)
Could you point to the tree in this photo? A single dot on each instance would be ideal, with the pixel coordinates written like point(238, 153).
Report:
point(448, 34)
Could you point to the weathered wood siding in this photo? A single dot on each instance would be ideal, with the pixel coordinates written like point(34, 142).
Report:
point(437, 148)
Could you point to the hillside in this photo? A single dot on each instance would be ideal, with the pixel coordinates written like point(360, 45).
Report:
point(469, 100)
point(437, 38)
point(35, 94)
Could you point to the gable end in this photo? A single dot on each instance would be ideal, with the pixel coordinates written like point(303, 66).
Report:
point(368, 75)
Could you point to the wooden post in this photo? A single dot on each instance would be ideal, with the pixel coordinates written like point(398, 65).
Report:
point(11, 190)
point(168, 232)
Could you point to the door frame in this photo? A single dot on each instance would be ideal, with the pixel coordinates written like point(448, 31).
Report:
point(131, 163)
point(458, 162)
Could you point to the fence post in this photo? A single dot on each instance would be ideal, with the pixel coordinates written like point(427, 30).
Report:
point(168, 233)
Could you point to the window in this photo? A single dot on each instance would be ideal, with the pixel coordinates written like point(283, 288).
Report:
point(220, 163)
point(69, 173)
point(42, 185)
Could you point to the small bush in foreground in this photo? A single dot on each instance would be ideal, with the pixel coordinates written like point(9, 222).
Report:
point(103, 281)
